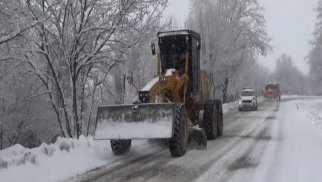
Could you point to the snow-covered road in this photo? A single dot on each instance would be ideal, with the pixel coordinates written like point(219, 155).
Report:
point(296, 153)
point(279, 142)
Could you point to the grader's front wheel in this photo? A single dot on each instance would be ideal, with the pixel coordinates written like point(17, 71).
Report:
point(179, 141)
point(120, 147)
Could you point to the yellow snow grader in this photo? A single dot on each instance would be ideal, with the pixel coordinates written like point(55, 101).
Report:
point(172, 106)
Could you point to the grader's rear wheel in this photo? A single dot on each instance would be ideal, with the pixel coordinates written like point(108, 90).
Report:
point(178, 142)
point(210, 120)
point(220, 127)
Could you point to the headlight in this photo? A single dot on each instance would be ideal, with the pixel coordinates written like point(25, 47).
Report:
point(240, 102)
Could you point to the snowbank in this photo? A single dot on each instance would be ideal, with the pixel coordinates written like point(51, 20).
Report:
point(312, 109)
point(53, 162)
point(295, 96)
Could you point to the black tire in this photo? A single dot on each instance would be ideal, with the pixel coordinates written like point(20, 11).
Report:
point(220, 119)
point(209, 123)
point(120, 147)
point(179, 141)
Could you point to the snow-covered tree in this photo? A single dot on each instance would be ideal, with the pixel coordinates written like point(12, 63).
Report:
point(250, 74)
point(315, 54)
point(232, 32)
point(292, 80)
point(73, 51)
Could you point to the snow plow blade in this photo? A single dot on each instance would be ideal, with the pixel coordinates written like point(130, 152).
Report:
point(135, 121)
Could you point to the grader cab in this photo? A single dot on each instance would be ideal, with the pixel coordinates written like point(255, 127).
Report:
point(178, 103)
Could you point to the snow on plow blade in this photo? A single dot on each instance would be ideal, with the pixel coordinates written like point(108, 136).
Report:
point(136, 121)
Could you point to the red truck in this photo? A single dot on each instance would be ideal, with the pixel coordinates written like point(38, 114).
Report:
point(272, 91)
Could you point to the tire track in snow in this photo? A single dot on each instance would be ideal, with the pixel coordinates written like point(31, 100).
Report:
point(114, 172)
point(240, 162)
point(192, 175)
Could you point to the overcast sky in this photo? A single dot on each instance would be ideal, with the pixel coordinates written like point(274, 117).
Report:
point(290, 24)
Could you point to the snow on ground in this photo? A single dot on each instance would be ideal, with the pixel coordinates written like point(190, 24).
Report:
point(62, 160)
point(291, 96)
point(296, 96)
point(313, 109)
point(295, 152)
point(54, 162)
point(229, 106)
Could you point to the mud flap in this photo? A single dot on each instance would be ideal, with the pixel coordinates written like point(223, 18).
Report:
point(135, 121)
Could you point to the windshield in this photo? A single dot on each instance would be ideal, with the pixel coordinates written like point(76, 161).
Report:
point(172, 50)
point(173, 61)
point(247, 93)
point(271, 87)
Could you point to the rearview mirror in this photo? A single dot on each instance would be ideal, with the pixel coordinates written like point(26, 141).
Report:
point(153, 48)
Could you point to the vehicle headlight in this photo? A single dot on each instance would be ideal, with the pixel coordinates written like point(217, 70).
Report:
point(240, 102)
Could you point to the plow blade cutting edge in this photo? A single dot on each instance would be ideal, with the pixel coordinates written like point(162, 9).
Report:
point(135, 121)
